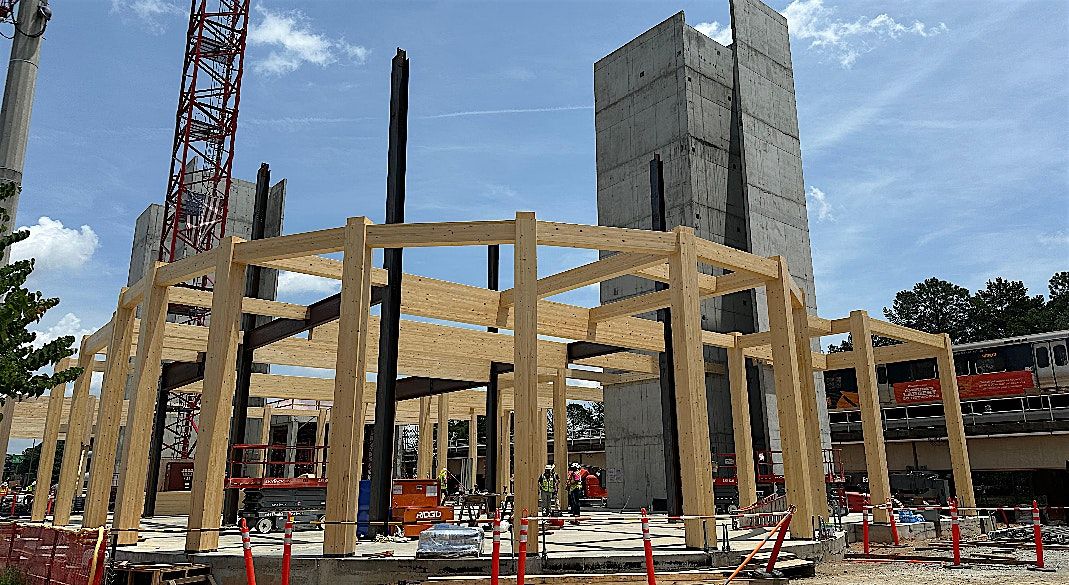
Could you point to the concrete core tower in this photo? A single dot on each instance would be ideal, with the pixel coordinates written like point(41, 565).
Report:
point(724, 121)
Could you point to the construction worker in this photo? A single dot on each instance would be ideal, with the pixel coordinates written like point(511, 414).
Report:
point(443, 483)
point(575, 486)
point(548, 483)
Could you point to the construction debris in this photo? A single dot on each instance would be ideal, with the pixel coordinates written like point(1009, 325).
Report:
point(1051, 534)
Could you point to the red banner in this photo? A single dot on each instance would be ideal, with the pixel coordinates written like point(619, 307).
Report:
point(1000, 384)
point(969, 387)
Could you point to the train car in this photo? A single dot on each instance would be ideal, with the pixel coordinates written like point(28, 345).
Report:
point(1019, 366)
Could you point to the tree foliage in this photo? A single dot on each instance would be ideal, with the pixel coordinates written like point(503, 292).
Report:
point(1003, 308)
point(21, 362)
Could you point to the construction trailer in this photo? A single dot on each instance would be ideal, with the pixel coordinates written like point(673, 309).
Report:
point(442, 360)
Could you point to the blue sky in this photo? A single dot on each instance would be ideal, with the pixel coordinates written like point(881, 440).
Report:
point(934, 134)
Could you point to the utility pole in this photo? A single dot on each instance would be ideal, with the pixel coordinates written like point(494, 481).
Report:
point(30, 24)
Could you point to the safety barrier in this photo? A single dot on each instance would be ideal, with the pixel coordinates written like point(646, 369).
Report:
point(246, 545)
point(287, 550)
point(957, 561)
point(55, 556)
point(779, 531)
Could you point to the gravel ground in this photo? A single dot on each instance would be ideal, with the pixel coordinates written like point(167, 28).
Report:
point(866, 573)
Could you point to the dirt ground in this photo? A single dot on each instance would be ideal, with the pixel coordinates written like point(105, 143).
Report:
point(894, 573)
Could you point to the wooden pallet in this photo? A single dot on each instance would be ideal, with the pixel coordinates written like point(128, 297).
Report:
point(127, 573)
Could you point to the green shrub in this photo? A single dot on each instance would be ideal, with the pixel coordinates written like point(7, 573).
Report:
point(9, 576)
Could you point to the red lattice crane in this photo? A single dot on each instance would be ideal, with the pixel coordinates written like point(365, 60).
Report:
point(198, 188)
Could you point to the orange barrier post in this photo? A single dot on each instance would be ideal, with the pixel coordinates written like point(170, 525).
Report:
point(955, 536)
point(865, 530)
point(651, 577)
point(1037, 531)
point(287, 550)
point(51, 504)
point(246, 544)
point(495, 562)
point(14, 500)
point(894, 525)
point(521, 562)
point(779, 543)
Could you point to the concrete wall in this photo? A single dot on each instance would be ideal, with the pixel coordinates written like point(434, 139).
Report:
point(673, 91)
point(985, 453)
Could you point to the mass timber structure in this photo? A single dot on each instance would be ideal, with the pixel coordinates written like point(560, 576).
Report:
point(532, 342)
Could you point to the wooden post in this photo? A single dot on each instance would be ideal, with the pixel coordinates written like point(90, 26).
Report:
point(871, 423)
point(807, 385)
point(560, 434)
point(321, 440)
point(543, 438)
point(87, 440)
point(217, 401)
point(692, 407)
point(525, 389)
point(8, 413)
point(265, 439)
point(345, 459)
point(112, 392)
point(130, 497)
point(47, 459)
point(789, 404)
point(959, 451)
point(473, 448)
point(425, 451)
point(72, 446)
point(443, 432)
point(504, 452)
point(740, 422)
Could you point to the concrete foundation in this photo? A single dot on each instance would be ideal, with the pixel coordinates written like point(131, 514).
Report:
point(723, 120)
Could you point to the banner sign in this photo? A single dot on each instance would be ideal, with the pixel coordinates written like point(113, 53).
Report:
point(969, 387)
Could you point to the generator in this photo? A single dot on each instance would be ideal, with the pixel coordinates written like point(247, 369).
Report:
point(416, 505)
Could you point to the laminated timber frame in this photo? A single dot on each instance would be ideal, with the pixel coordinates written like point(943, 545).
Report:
point(439, 358)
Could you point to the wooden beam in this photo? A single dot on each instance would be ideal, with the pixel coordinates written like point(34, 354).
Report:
point(905, 333)
point(203, 298)
point(740, 424)
point(443, 432)
point(456, 233)
point(130, 496)
point(312, 265)
point(904, 352)
point(185, 269)
point(220, 374)
point(734, 259)
point(134, 294)
point(322, 420)
point(871, 421)
point(560, 434)
point(112, 393)
point(72, 446)
point(473, 449)
point(594, 237)
point(425, 449)
point(789, 401)
point(290, 246)
point(692, 406)
point(811, 404)
point(525, 262)
point(643, 303)
point(98, 340)
point(959, 451)
point(47, 458)
point(592, 273)
point(346, 444)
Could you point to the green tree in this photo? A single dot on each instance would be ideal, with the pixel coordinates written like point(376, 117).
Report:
point(935, 306)
point(21, 363)
point(1056, 316)
point(1004, 309)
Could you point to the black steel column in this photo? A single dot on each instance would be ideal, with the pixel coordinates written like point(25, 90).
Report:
point(669, 426)
point(390, 315)
point(155, 452)
point(248, 323)
point(493, 396)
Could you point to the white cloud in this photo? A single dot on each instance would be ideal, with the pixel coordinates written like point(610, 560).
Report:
point(55, 246)
point(507, 111)
point(713, 30)
point(68, 324)
point(298, 283)
point(820, 200)
point(151, 14)
point(844, 40)
point(293, 43)
point(1055, 239)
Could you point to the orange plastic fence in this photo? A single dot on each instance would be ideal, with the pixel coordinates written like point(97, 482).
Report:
point(48, 555)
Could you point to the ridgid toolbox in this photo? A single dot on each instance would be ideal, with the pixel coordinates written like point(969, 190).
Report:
point(416, 504)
